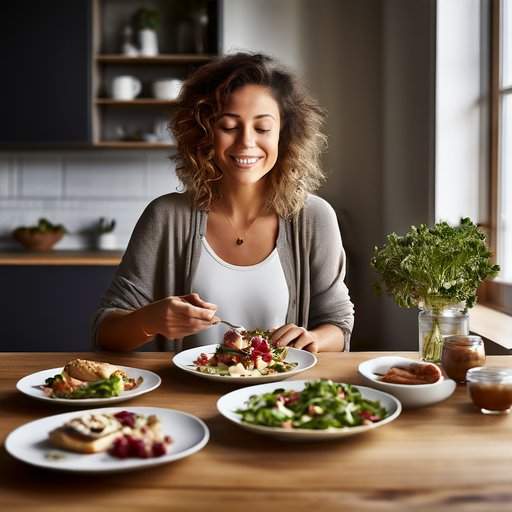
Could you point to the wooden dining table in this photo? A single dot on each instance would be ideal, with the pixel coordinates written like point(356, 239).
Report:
point(447, 456)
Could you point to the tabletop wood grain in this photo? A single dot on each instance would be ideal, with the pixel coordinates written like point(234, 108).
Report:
point(444, 457)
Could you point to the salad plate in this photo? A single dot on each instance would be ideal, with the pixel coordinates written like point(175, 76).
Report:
point(32, 386)
point(29, 443)
point(231, 404)
point(301, 360)
point(411, 396)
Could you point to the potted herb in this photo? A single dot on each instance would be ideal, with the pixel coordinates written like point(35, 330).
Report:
point(146, 22)
point(437, 269)
point(106, 240)
point(40, 237)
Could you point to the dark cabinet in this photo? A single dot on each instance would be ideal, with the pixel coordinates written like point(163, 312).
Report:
point(49, 308)
point(45, 87)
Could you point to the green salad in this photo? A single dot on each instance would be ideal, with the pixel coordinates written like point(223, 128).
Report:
point(104, 388)
point(321, 405)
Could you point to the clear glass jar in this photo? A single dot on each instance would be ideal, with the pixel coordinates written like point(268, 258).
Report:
point(460, 353)
point(434, 325)
point(490, 389)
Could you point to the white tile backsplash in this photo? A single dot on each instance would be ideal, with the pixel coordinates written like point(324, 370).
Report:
point(162, 178)
point(97, 177)
point(77, 188)
point(40, 175)
point(5, 177)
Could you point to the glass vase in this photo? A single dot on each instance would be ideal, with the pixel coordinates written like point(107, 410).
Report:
point(435, 325)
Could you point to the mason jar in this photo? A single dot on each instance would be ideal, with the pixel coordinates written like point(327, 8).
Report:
point(434, 325)
point(460, 353)
point(490, 389)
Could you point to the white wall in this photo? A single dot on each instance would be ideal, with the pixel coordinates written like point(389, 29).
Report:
point(273, 27)
point(459, 103)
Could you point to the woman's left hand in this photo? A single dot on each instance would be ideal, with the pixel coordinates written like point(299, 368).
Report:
point(295, 336)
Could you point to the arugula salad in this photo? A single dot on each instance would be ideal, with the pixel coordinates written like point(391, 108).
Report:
point(323, 404)
point(245, 354)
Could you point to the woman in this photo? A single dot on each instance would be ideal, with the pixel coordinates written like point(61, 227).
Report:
point(246, 242)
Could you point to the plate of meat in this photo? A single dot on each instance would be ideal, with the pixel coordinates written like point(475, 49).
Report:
point(82, 382)
point(414, 383)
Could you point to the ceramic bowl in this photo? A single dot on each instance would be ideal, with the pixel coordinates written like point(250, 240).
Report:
point(36, 241)
point(411, 396)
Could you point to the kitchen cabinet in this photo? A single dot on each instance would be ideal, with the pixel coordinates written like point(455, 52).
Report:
point(49, 307)
point(45, 87)
point(59, 60)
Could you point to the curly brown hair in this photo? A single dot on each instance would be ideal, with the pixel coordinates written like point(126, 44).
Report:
point(301, 141)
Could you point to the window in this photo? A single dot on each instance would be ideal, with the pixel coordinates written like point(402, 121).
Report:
point(499, 292)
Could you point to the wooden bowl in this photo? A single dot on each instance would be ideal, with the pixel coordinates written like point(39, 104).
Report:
point(37, 241)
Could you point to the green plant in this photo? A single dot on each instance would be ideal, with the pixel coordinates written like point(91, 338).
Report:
point(146, 18)
point(44, 226)
point(434, 267)
point(105, 226)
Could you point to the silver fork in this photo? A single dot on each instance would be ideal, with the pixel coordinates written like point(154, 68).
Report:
point(233, 326)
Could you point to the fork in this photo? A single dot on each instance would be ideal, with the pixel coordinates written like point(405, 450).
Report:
point(233, 326)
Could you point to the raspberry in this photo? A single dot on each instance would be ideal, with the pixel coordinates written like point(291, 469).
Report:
point(158, 449)
point(127, 419)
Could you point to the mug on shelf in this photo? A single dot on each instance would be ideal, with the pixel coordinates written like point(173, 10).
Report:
point(125, 87)
point(167, 89)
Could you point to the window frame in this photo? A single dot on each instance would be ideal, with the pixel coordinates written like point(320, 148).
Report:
point(492, 293)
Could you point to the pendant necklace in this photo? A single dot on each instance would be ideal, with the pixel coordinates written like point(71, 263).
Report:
point(240, 239)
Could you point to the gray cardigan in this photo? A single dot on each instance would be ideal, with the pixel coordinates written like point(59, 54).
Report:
point(164, 250)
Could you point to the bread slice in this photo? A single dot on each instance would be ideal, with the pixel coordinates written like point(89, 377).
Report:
point(65, 438)
point(89, 433)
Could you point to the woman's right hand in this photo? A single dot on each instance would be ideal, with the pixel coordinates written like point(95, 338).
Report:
point(176, 317)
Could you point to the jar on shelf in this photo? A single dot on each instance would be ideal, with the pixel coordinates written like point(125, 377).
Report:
point(435, 324)
point(490, 389)
point(460, 353)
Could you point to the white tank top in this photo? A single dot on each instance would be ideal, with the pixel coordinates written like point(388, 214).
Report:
point(254, 296)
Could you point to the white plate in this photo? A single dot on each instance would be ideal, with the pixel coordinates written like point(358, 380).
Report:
point(185, 361)
point(411, 396)
point(229, 403)
point(29, 443)
point(29, 386)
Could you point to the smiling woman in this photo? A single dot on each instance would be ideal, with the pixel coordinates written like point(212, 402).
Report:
point(247, 241)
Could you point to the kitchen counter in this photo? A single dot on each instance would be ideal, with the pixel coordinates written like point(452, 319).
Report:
point(446, 457)
point(62, 257)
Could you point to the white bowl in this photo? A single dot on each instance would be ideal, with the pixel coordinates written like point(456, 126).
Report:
point(419, 395)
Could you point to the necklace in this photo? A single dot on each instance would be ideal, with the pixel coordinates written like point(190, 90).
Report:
point(240, 239)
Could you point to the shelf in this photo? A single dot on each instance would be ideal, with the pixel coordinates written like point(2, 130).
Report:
point(119, 124)
point(62, 257)
point(119, 144)
point(177, 58)
point(140, 101)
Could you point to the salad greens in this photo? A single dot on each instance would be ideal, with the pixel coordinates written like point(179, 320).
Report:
point(105, 388)
point(434, 266)
point(322, 404)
